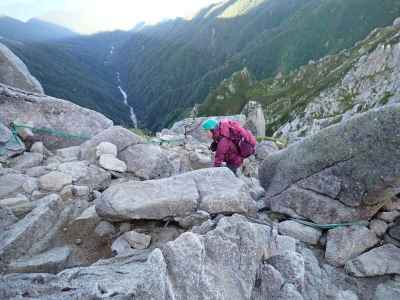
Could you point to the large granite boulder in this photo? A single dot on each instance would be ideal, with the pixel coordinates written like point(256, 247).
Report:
point(116, 135)
point(214, 191)
point(14, 72)
point(22, 237)
point(379, 261)
point(343, 173)
point(148, 161)
point(42, 111)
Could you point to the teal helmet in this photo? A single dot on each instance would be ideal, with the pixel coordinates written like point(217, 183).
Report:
point(210, 124)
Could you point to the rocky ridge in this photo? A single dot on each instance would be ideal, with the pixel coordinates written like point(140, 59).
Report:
point(14, 72)
point(124, 216)
point(116, 215)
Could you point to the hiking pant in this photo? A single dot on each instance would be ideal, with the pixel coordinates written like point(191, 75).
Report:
point(232, 168)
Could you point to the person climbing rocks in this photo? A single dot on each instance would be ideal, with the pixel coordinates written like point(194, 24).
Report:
point(231, 143)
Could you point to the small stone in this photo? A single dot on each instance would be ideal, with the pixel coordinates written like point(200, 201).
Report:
point(379, 227)
point(124, 227)
point(77, 169)
point(384, 260)
point(30, 185)
point(27, 160)
point(81, 190)
point(195, 219)
point(300, 232)
point(69, 154)
point(19, 205)
point(109, 162)
point(38, 147)
point(105, 229)
point(394, 204)
point(132, 240)
point(396, 23)
point(347, 243)
point(346, 295)
point(67, 193)
point(7, 218)
point(36, 171)
point(36, 195)
point(55, 181)
point(389, 216)
point(78, 242)
point(52, 261)
point(106, 148)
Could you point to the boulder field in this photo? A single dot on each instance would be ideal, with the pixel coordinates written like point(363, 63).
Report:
point(122, 216)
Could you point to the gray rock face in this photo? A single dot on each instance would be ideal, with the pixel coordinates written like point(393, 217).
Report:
point(147, 161)
point(372, 81)
point(75, 169)
point(347, 243)
point(11, 184)
point(7, 218)
point(342, 173)
point(96, 178)
point(379, 227)
point(255, 120)
point(18, 241)
point(379, 261)
point(129, 241)
point(214, 190)
point(235, 249)
point(109, 162)
point(13, 72)
point(396, 23)
point(52, 261)
point(26, 161)
point(55, 181)
point(388, 290)
point(265, 149)
point(118, 136)
point(46, 112)
point(300, 232)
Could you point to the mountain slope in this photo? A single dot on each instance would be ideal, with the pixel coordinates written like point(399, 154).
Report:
point(321, 93)
point(79, 69)
point(33, 30)
point(176, 64)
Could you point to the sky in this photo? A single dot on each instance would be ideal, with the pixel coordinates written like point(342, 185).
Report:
point(88, 16)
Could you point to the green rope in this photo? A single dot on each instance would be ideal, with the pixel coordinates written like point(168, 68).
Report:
point(52, 132)
point(329, 226)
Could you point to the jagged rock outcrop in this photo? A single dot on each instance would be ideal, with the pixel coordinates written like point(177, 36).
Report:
point(255, 120)
point(343, 173)
point(13, 72)
point(42, 111)
point(361, 78)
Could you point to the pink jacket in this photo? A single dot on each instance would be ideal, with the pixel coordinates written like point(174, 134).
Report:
point(226, 151)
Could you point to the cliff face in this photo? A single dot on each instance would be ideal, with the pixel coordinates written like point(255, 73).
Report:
point(367, 77)
point(14, 72)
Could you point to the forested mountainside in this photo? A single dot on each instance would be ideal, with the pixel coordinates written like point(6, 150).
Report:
point(79, 69)
point(321, 93)
point(175, 64)
point(169, 67)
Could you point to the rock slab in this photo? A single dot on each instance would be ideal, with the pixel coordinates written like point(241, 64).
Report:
point(342, 173)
